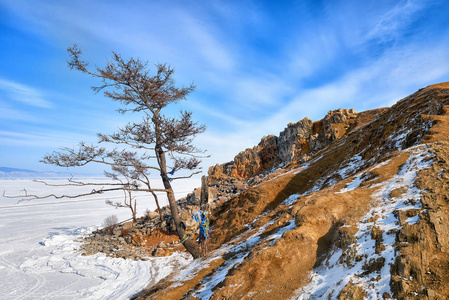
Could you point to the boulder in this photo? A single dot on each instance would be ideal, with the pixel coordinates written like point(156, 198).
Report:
point(194, 197)
point(153, 215)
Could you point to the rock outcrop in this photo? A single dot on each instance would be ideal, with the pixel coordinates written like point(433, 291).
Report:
point(298, 141)
point(136, 241)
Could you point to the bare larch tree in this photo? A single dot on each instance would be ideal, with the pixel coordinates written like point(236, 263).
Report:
point(157, 143)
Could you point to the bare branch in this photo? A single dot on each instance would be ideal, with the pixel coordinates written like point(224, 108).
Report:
point(75, 63)
point(116, 204)
point(28, 197)
point(185, 177)
point(79, 183)
point(94, 154)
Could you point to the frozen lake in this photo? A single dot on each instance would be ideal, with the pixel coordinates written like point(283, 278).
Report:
point(37, 254)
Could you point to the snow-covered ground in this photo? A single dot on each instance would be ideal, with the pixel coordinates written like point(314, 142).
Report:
point(38, 242)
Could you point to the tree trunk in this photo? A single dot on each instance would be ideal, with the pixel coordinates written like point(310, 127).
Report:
point(191, 246)
point(204, 194)
point(158, 207)
point(134, 211)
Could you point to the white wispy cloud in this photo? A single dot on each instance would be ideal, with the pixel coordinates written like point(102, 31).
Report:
point(223, 146)
point(393, 21)
point(43, 138)
point(382, 82)
point(260, 91)
point(418, 65)
point(180, 36)
point(311, 51)
point(213, 113)
point(208, 43)
point(24, 94)
point(9, 113)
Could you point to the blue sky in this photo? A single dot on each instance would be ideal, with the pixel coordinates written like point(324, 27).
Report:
point(258, 65)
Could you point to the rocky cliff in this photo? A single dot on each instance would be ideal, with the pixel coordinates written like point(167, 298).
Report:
point(365, 217)
point(298, 141)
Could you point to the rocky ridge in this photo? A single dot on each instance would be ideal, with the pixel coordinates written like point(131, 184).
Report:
point(365, 216)
point(298, 141)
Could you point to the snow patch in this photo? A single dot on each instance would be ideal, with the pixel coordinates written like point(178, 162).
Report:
point(352, 185)
point(413, 220)
point(400, 138)
point(352, 165)
point(355, 183)
point(291, 199)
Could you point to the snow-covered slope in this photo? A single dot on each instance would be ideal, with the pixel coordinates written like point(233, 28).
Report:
point(366, 218)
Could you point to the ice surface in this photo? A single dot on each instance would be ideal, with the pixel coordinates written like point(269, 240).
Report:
point(38, 258)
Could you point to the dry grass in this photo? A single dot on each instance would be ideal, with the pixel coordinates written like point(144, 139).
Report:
point(276, 272)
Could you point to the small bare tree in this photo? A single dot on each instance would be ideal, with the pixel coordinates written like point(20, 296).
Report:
point(110, 223)
point(129, 201)
point(157, 143)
